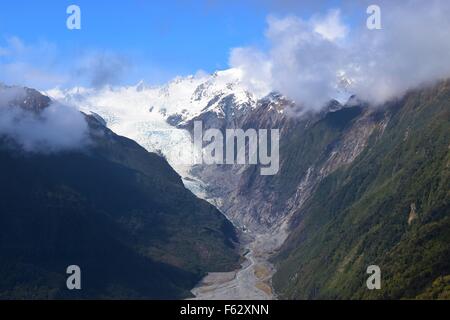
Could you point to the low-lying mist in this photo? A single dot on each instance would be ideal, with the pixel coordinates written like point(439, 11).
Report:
point(57, 127)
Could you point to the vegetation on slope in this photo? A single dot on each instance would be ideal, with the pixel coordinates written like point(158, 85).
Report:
point(120, 213)
point(390, 208)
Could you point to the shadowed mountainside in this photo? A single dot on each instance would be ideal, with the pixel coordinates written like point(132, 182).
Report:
point(119, 212)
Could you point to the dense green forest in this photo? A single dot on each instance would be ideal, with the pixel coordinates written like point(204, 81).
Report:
point(390, 207)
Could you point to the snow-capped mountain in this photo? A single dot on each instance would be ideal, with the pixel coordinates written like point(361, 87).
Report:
point(155, 116)
point(185, 97)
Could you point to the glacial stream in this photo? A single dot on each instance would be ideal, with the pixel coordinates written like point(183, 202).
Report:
point(251, 282)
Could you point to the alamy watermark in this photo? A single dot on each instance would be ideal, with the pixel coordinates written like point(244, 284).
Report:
point(73, 282)
point(374, 20)
point(238, 147)
point(374, 281)
point(73, 22)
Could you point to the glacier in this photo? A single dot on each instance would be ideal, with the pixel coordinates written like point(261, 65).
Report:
point(142, 113)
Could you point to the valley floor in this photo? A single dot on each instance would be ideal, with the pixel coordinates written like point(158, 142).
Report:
point(251, 282)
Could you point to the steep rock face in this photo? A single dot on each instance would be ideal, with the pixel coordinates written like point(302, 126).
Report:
point(357, 186)
point(24, 98)
point(389, 207)
point(311, 147)
point(220, 113)
point(119, 212)
point(220, 102)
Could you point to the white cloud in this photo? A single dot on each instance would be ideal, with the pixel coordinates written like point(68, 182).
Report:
point(56, 128)
point(307, 58)
point(256, 69)
point(331, 28)
point(299, 60)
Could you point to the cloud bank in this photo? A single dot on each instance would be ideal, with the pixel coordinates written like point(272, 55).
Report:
point(308, 60)
point(56, 128)
point(42, 65)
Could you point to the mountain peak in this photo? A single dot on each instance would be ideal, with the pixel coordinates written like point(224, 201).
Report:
point(22, 97)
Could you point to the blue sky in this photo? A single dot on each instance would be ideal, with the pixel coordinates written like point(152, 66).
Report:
point(157, 40)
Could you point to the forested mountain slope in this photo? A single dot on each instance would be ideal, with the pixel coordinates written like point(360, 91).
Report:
point(389, 207)
point(119, 212)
